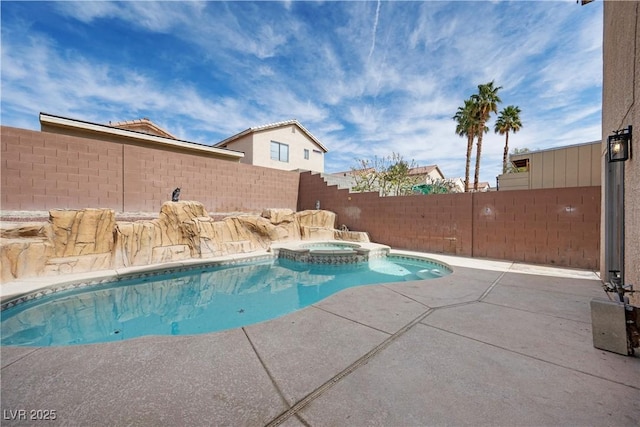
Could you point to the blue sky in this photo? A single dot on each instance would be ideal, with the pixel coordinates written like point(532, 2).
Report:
point(365, 77)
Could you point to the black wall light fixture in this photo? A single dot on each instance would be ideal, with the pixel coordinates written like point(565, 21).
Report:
point(619, 145)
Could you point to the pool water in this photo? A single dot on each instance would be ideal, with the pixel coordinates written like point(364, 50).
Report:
point(194, 302)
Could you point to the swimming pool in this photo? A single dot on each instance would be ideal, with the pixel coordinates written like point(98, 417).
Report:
point(197, 301)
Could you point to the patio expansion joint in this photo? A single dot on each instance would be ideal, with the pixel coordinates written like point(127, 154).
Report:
point(537, 312)
point(293, 410)
point(349, 319)
point(297, 407)
point(490, 288)
point(23, 356)
point(264, 366)
point(406, 296)
point(532, 357)
point(480, 299)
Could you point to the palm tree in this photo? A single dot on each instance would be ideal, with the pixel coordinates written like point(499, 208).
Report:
point(508, 121)
point(486, 101)
point(467, 126)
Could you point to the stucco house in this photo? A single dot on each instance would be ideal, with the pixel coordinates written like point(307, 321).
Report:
point(283, 145)
point(432, 174)
point(571, 166)
point(483, 186)
point(427, 174)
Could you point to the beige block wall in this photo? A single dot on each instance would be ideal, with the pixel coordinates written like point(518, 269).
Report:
point(590, 155)
point(621, 108)
point(574, 166)
point(514, 181)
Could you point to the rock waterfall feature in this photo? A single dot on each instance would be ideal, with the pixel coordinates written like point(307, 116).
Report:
point(76, 241)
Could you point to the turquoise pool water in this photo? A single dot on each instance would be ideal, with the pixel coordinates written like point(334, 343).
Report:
point(194, 302)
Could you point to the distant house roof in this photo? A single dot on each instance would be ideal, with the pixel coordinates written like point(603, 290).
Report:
point(527, 154)
point(143, 125)
point(276, 125)
point(425, 170)
point(112, 131)
point(522, 160)
point(482, 186)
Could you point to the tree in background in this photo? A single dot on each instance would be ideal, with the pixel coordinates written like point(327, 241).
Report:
point(387, 175)
point(508, 121)
point(396, 179)
point(365, 175)
point(438, 186)
point(486, 102)
point(468, 124)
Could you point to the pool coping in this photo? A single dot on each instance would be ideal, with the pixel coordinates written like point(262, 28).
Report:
point(42, 288)
point(354, 252)
point(26, 289)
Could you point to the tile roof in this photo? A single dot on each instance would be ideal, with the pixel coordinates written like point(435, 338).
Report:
point(481, 185)
point(143, 123)
point(424, 170)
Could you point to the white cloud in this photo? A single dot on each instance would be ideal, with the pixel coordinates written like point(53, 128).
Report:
point(375, 31)
point(150, 15)
point(88, 11)
point(75, 87)
point(365, 77)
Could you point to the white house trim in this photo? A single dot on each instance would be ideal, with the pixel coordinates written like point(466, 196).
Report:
point(64, 122)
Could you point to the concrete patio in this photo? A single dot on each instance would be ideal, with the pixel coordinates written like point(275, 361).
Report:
point(494, 343)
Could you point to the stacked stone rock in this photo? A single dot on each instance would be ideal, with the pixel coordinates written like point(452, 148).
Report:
point(75, 241)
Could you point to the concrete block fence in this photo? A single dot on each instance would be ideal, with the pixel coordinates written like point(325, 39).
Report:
point(43, 171)
point(551, 226)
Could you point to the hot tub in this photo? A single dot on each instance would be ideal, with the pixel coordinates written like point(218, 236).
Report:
point(330, 252)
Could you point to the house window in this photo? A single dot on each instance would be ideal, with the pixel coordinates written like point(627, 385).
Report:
point(306, 154)
point(279, 151)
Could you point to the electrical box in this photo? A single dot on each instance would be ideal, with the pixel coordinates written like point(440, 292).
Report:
point(609, 326)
